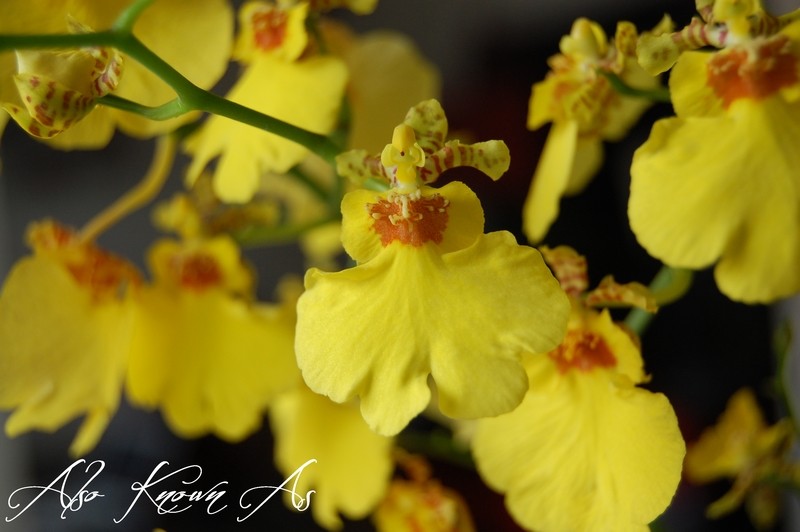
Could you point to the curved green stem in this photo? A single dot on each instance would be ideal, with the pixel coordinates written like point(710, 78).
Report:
point(130, 15)
point(669, 285)
point(659, 94)
point(781, 346)
point(437, 444)
point(190, 96)
point(308, 182)
point(171, 109)
point(259, 236)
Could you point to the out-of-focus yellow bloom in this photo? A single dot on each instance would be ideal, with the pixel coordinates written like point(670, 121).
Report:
point(65, 321)
point(201, 351)
point(741, 446)
point(203, 61)
point(417, 302)
point(740, 439)
point(280, 80)
point(584, 110)
point(376, 61)
point(587, 449)
point(421, 503)
point(353, 466)
point(718, 183)
point(199, 214)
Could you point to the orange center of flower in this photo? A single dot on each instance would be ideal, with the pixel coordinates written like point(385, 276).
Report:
point(753, 73)
point(197, 271)
point(410, 218)
point(103, 272)
point(584, 351)
point(269, 28)
point(98, 270)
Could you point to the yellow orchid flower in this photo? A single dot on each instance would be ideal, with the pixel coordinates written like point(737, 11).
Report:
point(425, 279)
point(587, 449)
point(65, 321)
point(279, 80)
point(585, 110)
point(742, 447)
point(354, 464)
point(201, 352)
point(57, 89)
point(718, 183)
point(73, 74)
point(377, 103)
point(421, 503)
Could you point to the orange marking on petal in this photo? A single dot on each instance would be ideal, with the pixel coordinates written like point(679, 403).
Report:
point(410, 220)
point(51, 90)
point(103, 272)
point(269, 28)
point(197, 271)
point(756, 73)
point(41, 115)
point(583, 351)
point(96, 269)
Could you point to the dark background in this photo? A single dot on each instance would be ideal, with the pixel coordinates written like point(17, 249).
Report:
point(699, 350)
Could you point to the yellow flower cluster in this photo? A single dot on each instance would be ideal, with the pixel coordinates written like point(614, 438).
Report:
point(718, 183)
point(429, 314)
point(585, 110)
point(588, 449)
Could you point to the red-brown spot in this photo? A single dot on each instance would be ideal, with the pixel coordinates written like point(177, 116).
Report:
point(51, 90)
point(50, 236)
point(96, 269)
point(103, 272)
point(425, 219)
point(755, 73)
point(197, 271)
point(269, 28)
point(584, 351)
point(41, 115)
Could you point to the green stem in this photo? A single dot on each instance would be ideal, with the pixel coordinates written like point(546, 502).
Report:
point(171, 109)
point(130, 15)
point(314, 187)
point(378, 185)
point(437, 444)
point(669, 285)
point(659, 94)
point(259, 236)
point(783, 482)
point(60, 40)
point(781, 346)
point(190, 96)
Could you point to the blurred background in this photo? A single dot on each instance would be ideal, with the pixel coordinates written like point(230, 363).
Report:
point(699, 350)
